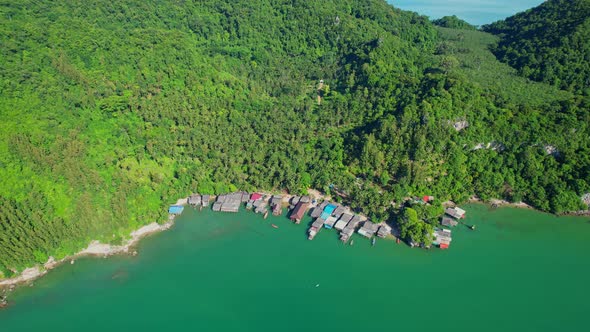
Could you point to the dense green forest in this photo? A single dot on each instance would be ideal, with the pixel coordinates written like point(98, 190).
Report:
point(453, 22)
point(549, 43)
point(109, 111)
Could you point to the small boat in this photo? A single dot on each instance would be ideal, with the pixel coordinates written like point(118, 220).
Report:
point(266, 214)
point(373, 242)
point(274, 226)
point(351, 242)
point(472, 227)
point(397, 240)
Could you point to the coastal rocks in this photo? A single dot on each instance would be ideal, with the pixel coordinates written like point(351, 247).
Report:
point(51, 263)
point(3, 298)
point(27, 275)
point(148, 229)
point(182, 201)
point(95, 248)
point(581, 213)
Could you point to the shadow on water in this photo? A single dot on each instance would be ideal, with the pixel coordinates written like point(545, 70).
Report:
point(234, 228)
point(120, 275)
point(253, 230)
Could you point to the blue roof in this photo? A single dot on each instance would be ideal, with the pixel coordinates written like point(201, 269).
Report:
point(330, 208)
point(175, 209)
point(325, 215)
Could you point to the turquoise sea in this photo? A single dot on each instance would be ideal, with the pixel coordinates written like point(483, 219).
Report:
point(476, 12)
point(519, 271)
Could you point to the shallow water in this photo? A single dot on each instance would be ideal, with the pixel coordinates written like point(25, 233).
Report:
point(520, 270)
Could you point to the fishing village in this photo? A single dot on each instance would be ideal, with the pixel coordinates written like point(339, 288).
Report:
point(325, 214)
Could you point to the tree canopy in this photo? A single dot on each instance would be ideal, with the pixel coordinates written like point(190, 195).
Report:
point(109, 111)
point(548, 43)
point(453, 22)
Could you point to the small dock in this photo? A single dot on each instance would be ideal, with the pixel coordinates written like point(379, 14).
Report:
point(442, 238)
point(276, 204)
point(228, 203)
point(315, 228)
point(343, 221)
point(195, 200)
point(369, 229)
point(330, 222)
point(299, 211)
point(205, 201)
point(350, 228)
point(384, 231)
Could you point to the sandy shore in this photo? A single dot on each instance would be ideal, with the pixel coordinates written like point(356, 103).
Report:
point(500, 202)
point(95, 248)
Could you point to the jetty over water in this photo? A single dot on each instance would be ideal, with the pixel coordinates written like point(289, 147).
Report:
point(228, 203)
point(350, 228)
point(384, 231)
point(195, 200)
point(299, 211)
point(343, 221)
point(317, 211)
point(325, 214)
point(442, 238)
point(455, 212)
point(276, 203)
point(369, 229)
point(315, 228)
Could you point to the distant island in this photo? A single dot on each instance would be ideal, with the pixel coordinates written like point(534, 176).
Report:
point(112, 111)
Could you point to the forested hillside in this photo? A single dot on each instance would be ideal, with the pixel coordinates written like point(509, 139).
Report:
point(453, 22)
point(549, 43)
point(109, 111)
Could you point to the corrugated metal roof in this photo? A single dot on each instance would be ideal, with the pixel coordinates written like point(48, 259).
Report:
point(176, 209)
point(330, 208)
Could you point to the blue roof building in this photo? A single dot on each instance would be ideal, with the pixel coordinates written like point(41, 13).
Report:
point(328, 211)
point(175, 209)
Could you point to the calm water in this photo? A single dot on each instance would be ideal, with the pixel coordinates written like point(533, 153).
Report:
point(476, 12)
point(519, 271)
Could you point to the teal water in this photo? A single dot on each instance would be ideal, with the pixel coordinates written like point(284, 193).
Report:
point(519, 271)
point(476, 12)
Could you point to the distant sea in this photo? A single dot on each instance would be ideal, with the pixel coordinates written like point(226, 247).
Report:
point(477, 12)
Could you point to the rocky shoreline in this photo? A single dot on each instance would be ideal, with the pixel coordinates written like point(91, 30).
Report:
point(494, 202)
point(95, 248)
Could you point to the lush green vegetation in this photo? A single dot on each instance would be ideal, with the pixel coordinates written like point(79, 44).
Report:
point(109, 111)
point(549, 43)
point(453, 22)
point(480, 66)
